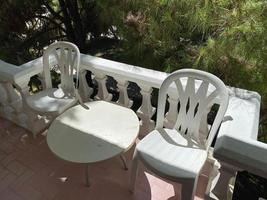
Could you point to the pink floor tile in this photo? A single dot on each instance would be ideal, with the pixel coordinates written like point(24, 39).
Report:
point(16, 167)
point(28, 192)
point(6, 181)
point(29, 170)
point(9, 194)
point(23, 178)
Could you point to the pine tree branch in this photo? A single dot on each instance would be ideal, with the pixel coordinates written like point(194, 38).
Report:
point(54, 13)
point(67, 21)
point(33, 38)
point(58, 25)
point(76, 19)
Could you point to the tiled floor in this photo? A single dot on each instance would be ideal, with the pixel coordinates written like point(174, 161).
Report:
point(29, 171)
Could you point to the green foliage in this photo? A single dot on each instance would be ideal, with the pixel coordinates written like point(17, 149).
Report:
point(238, 52)
point(155, 33)
point(15, 18)
point(26, 27)
point(224, 37)
point(249, 186)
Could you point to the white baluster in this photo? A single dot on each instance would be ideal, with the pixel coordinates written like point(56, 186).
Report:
point(171, 115)
point(3, 99)
point(123, 96)
point(84, 90)
point(204, 128)
point(221, 182)
point(102, 89)
point(12, 96)
point(34, 122)
point(146, 111)
point(13, 102)
point(42, 80)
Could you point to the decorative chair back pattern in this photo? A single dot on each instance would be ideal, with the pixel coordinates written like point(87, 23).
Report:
point(194, 102)
point(67, 57)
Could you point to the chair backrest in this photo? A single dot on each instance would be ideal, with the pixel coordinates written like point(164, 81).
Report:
point(197, 92)
point(67, 57)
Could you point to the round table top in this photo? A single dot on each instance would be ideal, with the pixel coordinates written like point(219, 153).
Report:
point(87, 136)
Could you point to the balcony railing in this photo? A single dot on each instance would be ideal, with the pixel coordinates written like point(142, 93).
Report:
point(236, 147)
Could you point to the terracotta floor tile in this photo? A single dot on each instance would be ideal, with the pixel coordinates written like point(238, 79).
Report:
point(7, 147)
point(23, 178)
point(2, 155)
point(9, 194)
point(6, 181)
point(30, 171)
point(32, 163)
point(28, 192)
point(3, 172)
point(16, 167)
point(9, 158)
point(48, 185)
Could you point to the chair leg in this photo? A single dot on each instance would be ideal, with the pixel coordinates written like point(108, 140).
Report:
point(123, 159)
point(134, 171)
point(189, 189)
point(87, 175)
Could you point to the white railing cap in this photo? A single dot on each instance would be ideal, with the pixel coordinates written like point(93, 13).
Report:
point(236, 142)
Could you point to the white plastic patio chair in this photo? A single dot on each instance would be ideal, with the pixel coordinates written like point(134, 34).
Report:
point(180, 153)
point(54, 101)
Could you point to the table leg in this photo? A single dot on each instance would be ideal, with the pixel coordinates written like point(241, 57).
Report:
point(124, 161)
point(87, 175)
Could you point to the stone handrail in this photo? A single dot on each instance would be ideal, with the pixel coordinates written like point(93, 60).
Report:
point(146, 79)
point(242, 130)
point(236, 147)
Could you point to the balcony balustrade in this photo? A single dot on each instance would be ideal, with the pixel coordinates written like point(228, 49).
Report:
point(236, 147)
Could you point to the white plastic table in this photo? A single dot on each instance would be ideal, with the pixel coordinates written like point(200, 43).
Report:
point(91, 135)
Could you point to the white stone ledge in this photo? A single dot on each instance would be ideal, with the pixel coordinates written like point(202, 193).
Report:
point(142, 76)
point(236, 142)
point(250, 155)
point(129, 72)
point(18, 74)
point(8, 72)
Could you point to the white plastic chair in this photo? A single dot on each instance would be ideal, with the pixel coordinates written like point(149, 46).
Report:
point(54, 101)
point(180, 153)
